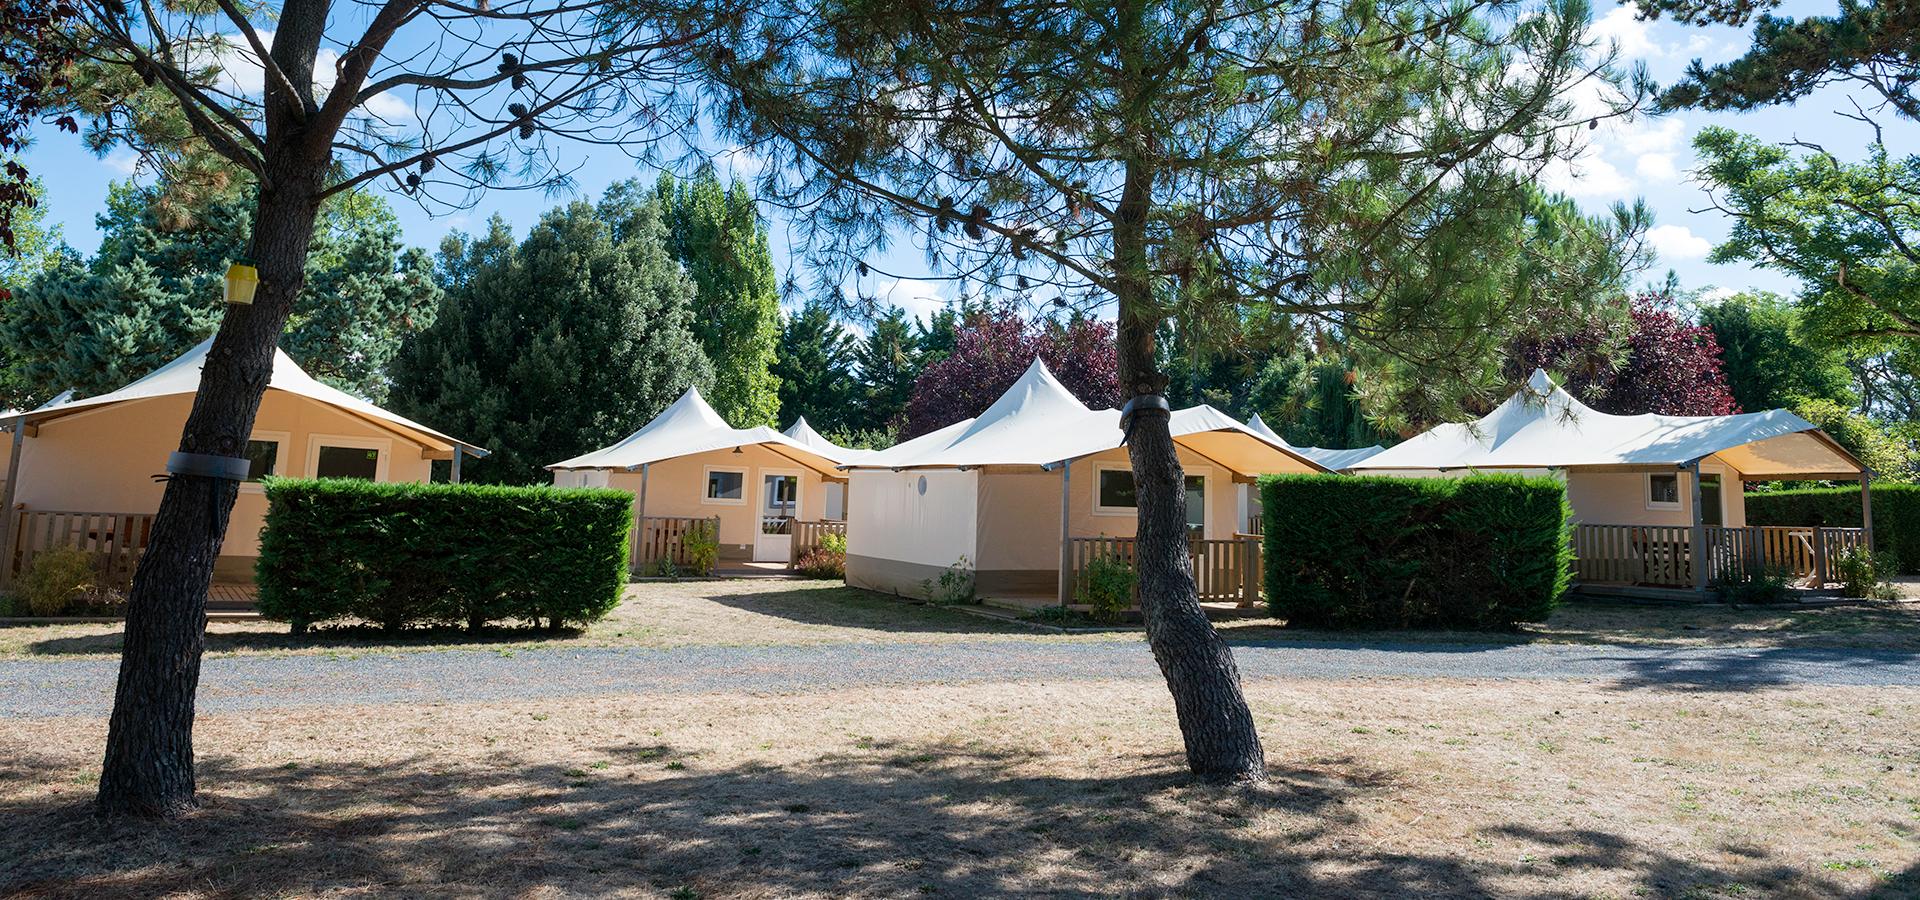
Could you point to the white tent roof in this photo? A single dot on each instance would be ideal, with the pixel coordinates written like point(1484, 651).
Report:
point(1038, 422)
point(804, 435)
point(1332, 459)
point(1544, 427)
point(182, 376)
point(690, 426)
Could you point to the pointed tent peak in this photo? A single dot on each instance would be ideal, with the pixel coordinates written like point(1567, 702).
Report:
point(1036, 392)
point(1261, 428)
point(799, 428)
point(1541, 382)
point(690, 410)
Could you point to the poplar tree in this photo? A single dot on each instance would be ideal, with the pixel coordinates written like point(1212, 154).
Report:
point(718, 235)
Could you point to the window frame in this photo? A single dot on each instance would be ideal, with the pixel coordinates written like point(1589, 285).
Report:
point(1679, 491)
point(799, 490)
point(285, 442)
point(350, 442)
point(706, 480)
point(1204, 473)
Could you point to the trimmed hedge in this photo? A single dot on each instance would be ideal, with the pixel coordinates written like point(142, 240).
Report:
point(401, 555)
point(1896, 515)
point(1378, 552)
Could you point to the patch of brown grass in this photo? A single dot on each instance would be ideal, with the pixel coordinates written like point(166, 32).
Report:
point(1382, 788)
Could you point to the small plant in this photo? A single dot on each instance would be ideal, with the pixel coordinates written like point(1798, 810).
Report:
point(954, 586)
point(703, 547)
point(836, 543)
point(1757, 585)
point(1861, 574)
point(664, 568)
point(1105, 585)
point(57, 581)
point(829, 560)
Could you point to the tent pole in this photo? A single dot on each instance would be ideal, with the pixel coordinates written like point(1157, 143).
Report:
point(1066, 536)
point(1866, 506)
point(455, 475)
point(1698, 555)
point(640, 518)
point(9, 517)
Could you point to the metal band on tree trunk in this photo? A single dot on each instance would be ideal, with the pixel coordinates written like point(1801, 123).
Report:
point(207, 465)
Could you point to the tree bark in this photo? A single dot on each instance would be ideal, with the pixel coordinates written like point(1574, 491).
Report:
point(148, 769)
point(1215, 722)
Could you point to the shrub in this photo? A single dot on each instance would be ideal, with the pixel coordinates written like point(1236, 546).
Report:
point(56, 581)
point(1105, 584)
point(953, 586)
point(1861, 573)
point(1757, 585)
point(702, 541)
point(829, 560)
point(1377, 552)
point(1896, 515)
point(401, 555)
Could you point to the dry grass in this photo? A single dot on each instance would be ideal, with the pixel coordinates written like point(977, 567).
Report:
point(1383, 788)
point(806, 613)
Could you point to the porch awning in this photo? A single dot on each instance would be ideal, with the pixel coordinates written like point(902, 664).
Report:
point(1544, 427)
point(1038, 422)
point(182, 376)
point(690, 426)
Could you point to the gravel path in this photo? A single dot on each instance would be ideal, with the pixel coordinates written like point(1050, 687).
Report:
point(41, 688)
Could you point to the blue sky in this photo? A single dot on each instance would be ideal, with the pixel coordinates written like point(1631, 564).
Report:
point(1649, 158)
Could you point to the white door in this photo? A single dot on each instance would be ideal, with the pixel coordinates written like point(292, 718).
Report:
point(779, 507)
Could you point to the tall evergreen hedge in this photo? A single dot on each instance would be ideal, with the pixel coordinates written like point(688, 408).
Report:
point(1377, 552)
point(1896, 515)
point(400, 555)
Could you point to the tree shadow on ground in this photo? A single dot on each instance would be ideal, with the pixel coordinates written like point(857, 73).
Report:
point(346, 638)
point(1760, 668)
point(939, 820)
point(849, 607)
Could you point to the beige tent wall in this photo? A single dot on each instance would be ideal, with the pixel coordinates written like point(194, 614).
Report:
point(904, 528)
point(1620, 498)
point(104, 461)
point(678, 487)
point(1018, 528)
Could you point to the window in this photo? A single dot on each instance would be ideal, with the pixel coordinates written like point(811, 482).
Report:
point(347, 462)
point(263, 458)
point(726, 486)
point(1663, 491)
point(781, 493)
point(1113, 495)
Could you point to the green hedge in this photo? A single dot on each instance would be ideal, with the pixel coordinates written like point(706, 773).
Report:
point(1896, 515)
point(401, 555)
point(1376, 552)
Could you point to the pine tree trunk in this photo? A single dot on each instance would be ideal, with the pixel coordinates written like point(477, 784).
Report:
point(148, 769)
point(1215, 722)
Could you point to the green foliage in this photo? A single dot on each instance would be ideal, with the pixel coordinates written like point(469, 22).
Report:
point(1896, 516)
point(56, 581)
point(1847, 230)
point(702, 543)
point(953, 586)
point(1755, 586)
point(1768, 362)
point(402, 555)
point(153, 291)
point(1861, 573)
point(890, 359)
point(1105, 584)
point(1889, 455)
point(562, 343)
point(815, 368)
point(1480, 552)
point(829, 560)
point(1314, 401)
point(717, 234)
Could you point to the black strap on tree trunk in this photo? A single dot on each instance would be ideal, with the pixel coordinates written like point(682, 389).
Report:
point(207, 465)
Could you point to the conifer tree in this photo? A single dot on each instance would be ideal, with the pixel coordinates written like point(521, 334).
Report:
point(814, 365)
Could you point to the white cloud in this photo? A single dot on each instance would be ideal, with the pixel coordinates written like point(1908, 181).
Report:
point(125, 162)
point(1656, 167)
point(920, 298)
point(242, 75)
point(1677, 242)
point(1623, 29)
point(1589, 178)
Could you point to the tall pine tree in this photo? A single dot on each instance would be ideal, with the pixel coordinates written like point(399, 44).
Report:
point(718, 236)
point(560, 344)
point(814, 366)
point(890, 359)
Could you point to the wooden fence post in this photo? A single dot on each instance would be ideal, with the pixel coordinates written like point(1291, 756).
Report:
point(1699, 555)
point(1251, 578)
point(1066, 533)
point(1819, 557)
point(10, 522)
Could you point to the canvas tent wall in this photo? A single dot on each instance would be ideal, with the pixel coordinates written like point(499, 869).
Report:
point(83, 471)
point(689, 464)
point(995, 493)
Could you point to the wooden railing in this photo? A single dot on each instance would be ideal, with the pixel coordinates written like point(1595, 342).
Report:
point(665, 537)
point(114, 540)
point(1662, 555)
point(1223, 570)
point(1255, 524)
point(807, 535)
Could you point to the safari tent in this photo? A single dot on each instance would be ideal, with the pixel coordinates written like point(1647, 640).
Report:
point(83, 472)
point(762, 491)
point(1025, 494)
point(1646, 490)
